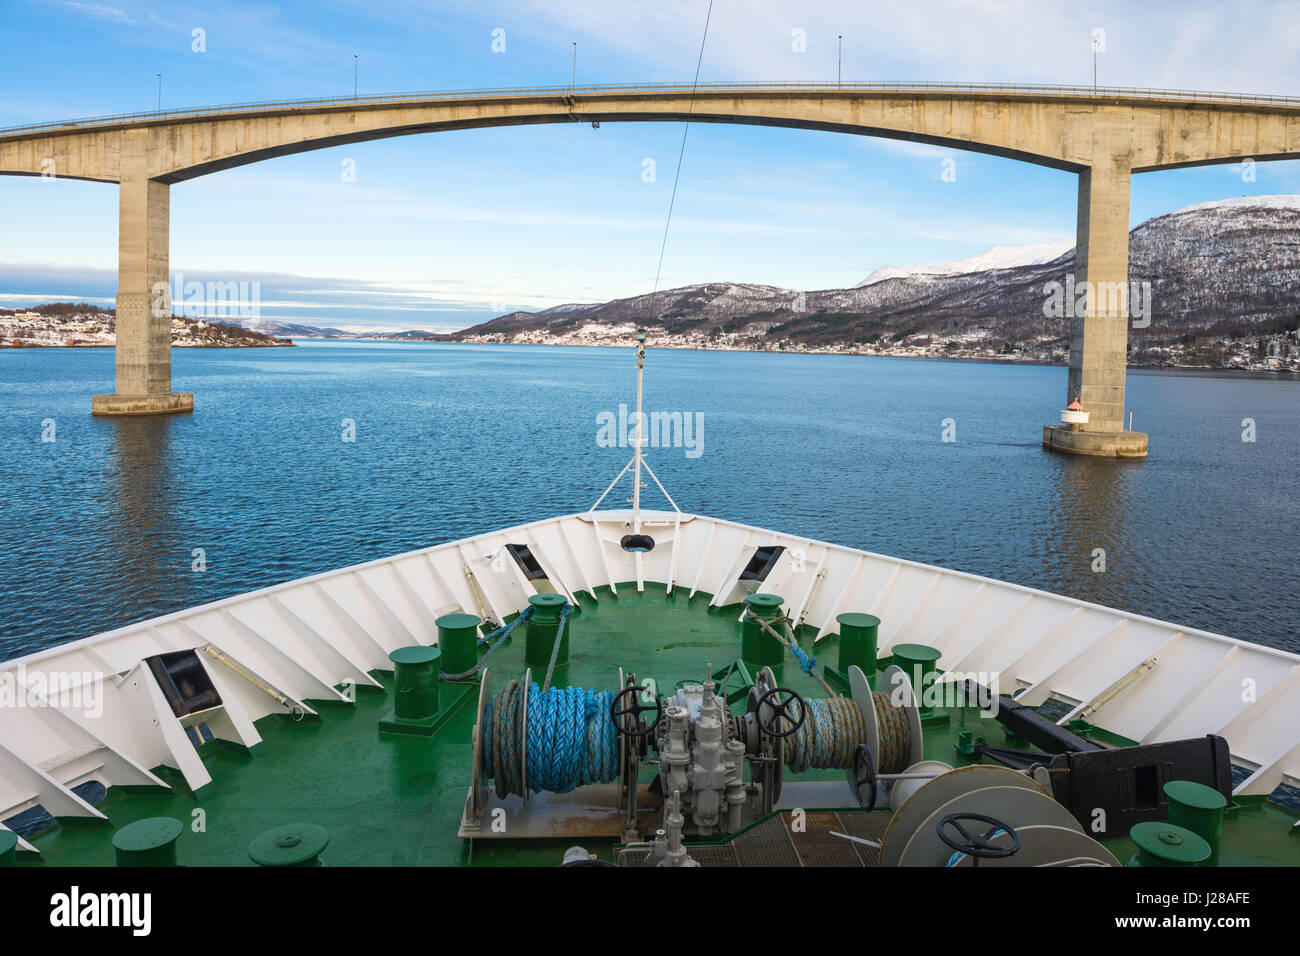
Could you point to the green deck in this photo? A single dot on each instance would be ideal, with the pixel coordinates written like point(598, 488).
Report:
point(397, 800)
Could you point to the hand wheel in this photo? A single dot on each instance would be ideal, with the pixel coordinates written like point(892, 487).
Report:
point(634, 710)
point(791, 709)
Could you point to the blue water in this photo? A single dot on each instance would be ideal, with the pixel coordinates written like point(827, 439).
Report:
point(98, 526)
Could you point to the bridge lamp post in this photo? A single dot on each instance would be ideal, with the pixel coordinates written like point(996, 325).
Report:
point(839, 61)
point(573, 83)
point(354, 75)
point(159, 75)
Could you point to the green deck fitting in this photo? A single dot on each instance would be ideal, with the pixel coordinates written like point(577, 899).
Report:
point(415, 692)
point(396, 800)
point(458, 641)
point(148, 842)
point(966, 744)
point(759, 649)
point(857, 646)
point(1081, 727)
point(738, 681)
point(539, 637)
point(918, 662)
point(1200, 809)
point(1161, 843)
point(294, 844)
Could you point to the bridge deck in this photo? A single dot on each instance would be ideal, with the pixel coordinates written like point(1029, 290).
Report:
point(1103, 93)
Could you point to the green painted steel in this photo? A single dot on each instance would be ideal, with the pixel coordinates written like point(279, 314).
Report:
point(294, 844)
point(397, 799)
point(1200, 809)
point(917, 661)
point(148, 842)
point(458, 641)
point(858, 635)
point(1161, 843)
point(8, 848)
point(756, 646)
point(415, 673)
point(540, 630)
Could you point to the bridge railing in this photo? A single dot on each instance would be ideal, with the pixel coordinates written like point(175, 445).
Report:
point(1027, 89)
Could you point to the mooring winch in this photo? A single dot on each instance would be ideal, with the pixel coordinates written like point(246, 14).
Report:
point(568, 762)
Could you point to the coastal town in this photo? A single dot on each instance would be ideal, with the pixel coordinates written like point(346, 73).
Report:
point(62, 325)
point(1279, 352)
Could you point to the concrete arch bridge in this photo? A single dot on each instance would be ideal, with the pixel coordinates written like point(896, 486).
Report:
point(1103, 135)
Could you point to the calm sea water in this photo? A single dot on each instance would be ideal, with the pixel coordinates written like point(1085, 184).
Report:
point(98, 527)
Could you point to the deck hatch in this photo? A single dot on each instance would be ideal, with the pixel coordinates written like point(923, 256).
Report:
point(762, 563)
point(184, 682)
point(527, 563)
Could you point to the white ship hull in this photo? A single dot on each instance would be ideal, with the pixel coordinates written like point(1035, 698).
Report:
point(270, 650)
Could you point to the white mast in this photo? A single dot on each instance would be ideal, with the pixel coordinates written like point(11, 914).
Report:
point(638, 456)
point(640, 437)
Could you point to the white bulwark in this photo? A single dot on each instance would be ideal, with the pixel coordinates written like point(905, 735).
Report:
point(269, 650)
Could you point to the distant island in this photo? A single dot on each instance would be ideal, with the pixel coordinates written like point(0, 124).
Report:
point(77, 324)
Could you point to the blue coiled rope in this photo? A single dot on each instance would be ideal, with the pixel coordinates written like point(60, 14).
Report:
point(571, 740)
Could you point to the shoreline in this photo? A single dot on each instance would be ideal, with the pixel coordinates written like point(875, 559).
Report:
point(983, 359)
point(980, 359)
point(100, 345)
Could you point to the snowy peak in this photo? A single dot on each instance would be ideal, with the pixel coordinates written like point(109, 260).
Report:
point(1262, 202)
point(999, 257)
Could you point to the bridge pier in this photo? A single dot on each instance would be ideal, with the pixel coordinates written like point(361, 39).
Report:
point(1099, 330)
point(144, 338)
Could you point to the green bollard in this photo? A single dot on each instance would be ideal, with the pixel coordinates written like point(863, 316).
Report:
point(148, 842)
point(1198, 808)
point(858, 643)
point(458, 641)
point(540, 633)
point(415, 691)
point(294, 844)
point(757, 647)
point(917, 662)
point(1164, 844)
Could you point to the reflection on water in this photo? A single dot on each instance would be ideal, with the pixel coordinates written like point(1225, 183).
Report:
point(145, 536)
point(1092, 513)
point(98, 528)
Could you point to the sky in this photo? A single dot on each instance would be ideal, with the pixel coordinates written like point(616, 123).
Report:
point(443, 230)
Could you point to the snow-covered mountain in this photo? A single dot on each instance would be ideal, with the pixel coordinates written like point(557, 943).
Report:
point(999, 257)
point(1224, 268)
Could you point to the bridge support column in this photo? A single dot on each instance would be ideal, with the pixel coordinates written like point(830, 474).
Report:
point(144, 337)
point(1099, 319)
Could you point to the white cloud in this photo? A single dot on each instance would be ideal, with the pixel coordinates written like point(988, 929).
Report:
point(101, 12)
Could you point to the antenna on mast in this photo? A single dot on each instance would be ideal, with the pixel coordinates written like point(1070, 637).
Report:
point(638, 461)
point(638, 455)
